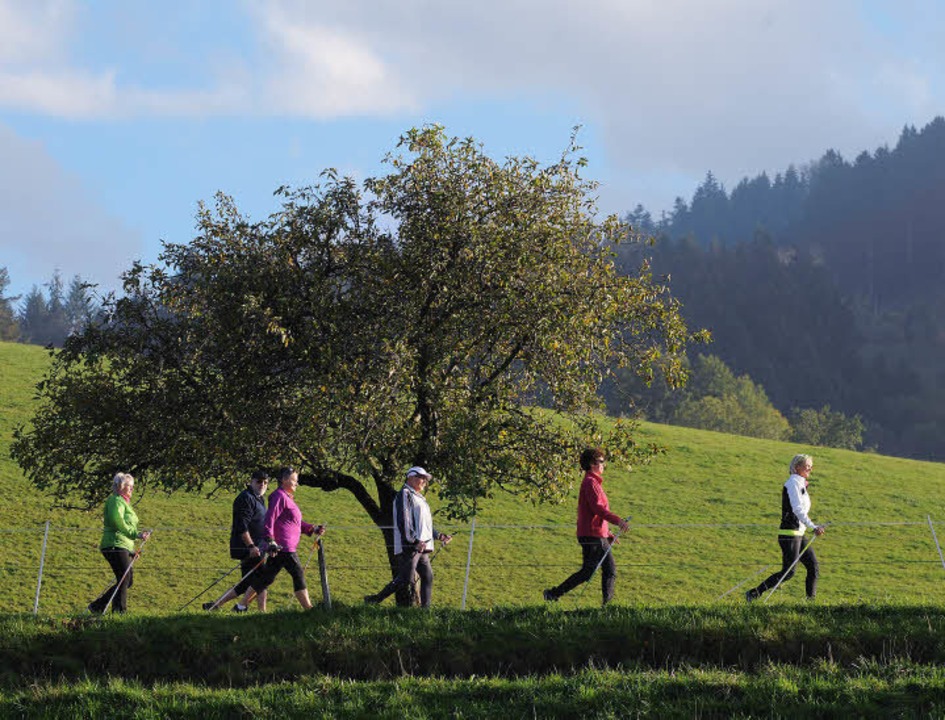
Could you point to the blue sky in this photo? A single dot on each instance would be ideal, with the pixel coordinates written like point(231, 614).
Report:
point(118, 116)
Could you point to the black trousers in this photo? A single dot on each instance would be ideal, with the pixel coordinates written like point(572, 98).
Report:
point(262, 578)
point(592, 550)
point(410, 562)
point(246, 565)
point(120, 560)
point(791, 546)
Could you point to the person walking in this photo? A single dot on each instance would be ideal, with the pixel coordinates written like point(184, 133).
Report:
point(247, 533)
point(414, 537)
point(283, 526)
point(119, 532)
point(795, 506)
point(593, 533)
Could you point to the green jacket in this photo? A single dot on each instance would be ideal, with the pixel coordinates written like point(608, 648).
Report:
point(121, 524)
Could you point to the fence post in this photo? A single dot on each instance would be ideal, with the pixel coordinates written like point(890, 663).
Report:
point(472, 532)
point(939, 547)
point(42, 562)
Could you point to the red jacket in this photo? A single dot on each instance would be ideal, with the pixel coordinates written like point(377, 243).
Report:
point(593, 511)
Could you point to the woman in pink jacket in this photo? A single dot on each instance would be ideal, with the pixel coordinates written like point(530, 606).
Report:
point(283, 527)
point(593, 514)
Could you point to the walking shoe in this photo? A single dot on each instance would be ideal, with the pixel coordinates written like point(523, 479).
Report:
point(371, 600)
point(240, 608)
point(209, 605)
point(549, 596)
point(750, 596)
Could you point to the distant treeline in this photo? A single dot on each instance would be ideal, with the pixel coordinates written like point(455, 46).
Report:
point(824, 285)
point(45, 316)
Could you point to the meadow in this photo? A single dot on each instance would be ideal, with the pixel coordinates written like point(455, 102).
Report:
point(703, 521)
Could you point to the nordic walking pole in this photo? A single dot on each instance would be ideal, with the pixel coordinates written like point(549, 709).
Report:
point(792, 566)
point(208, 587)
point(323, 574)
point(755, 574)
point(128, 570)
point(262, 559)
point(603, 557)
point(442, 545)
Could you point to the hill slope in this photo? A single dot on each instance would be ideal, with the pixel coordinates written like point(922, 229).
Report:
point(703, 520)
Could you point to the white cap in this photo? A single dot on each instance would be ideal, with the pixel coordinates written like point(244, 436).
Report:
point(417, 470)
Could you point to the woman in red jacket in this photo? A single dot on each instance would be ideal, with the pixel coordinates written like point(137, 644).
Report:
point(593, 514)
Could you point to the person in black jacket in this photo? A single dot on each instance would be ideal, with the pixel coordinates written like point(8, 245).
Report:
point(246, 535)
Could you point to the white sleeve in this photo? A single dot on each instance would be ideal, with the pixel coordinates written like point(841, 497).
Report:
point(794, 495)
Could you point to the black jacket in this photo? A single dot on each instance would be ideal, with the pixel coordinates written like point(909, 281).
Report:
point(249, 513)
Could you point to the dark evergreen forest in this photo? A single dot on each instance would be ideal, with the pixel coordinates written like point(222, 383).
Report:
point(824, 284)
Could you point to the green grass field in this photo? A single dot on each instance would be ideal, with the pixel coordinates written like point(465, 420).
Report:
point(704, 519)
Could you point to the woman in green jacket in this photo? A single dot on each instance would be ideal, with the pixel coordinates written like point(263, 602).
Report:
point(118, 543)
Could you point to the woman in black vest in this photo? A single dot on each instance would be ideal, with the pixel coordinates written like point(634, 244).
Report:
point(795, 505)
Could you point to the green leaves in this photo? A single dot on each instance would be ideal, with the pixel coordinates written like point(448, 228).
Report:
point(356, 334)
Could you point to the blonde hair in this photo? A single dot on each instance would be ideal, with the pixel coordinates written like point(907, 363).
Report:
point(798, 459)
point(120, 481)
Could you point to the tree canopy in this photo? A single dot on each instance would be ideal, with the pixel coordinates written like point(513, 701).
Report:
point(457, 312)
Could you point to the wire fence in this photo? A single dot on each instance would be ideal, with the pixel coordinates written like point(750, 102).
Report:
point(58, 569)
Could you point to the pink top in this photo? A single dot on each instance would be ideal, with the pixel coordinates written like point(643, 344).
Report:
point(593, 511)
point(284, 521)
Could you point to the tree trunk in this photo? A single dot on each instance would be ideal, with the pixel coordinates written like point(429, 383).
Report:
point(380, 512)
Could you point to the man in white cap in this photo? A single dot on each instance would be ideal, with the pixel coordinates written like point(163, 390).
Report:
point(414, 537)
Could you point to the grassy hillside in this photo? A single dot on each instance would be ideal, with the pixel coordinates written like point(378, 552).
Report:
point(703, 521)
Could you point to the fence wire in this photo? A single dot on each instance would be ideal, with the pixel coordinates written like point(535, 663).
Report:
point(504, 564)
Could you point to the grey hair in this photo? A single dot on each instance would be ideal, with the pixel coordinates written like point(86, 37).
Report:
point(120, 481)
point(798, 459)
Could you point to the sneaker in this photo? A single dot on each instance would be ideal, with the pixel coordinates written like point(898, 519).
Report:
point(209, 605)
point(549, 596)
point(371, 600)
point(240, 608)
point(94, 610)
point(750, 596)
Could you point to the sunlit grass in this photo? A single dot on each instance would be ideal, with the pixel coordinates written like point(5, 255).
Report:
point(704, 519)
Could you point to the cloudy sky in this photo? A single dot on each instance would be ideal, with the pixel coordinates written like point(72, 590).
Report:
point(118, 116)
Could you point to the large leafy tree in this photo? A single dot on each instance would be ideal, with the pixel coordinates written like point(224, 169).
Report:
point(419, 319)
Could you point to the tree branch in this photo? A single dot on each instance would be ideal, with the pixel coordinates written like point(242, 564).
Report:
point(331, 480)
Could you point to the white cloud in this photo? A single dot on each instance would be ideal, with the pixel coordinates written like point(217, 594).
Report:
point(32, 31)
point(60, 94)
point(48, 220)
point(322, 72)
point(674, 87)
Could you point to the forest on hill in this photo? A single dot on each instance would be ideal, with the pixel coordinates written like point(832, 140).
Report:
point(823, 284)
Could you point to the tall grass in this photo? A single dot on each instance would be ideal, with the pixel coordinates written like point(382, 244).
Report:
point(368, 644)
point(900, 690)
